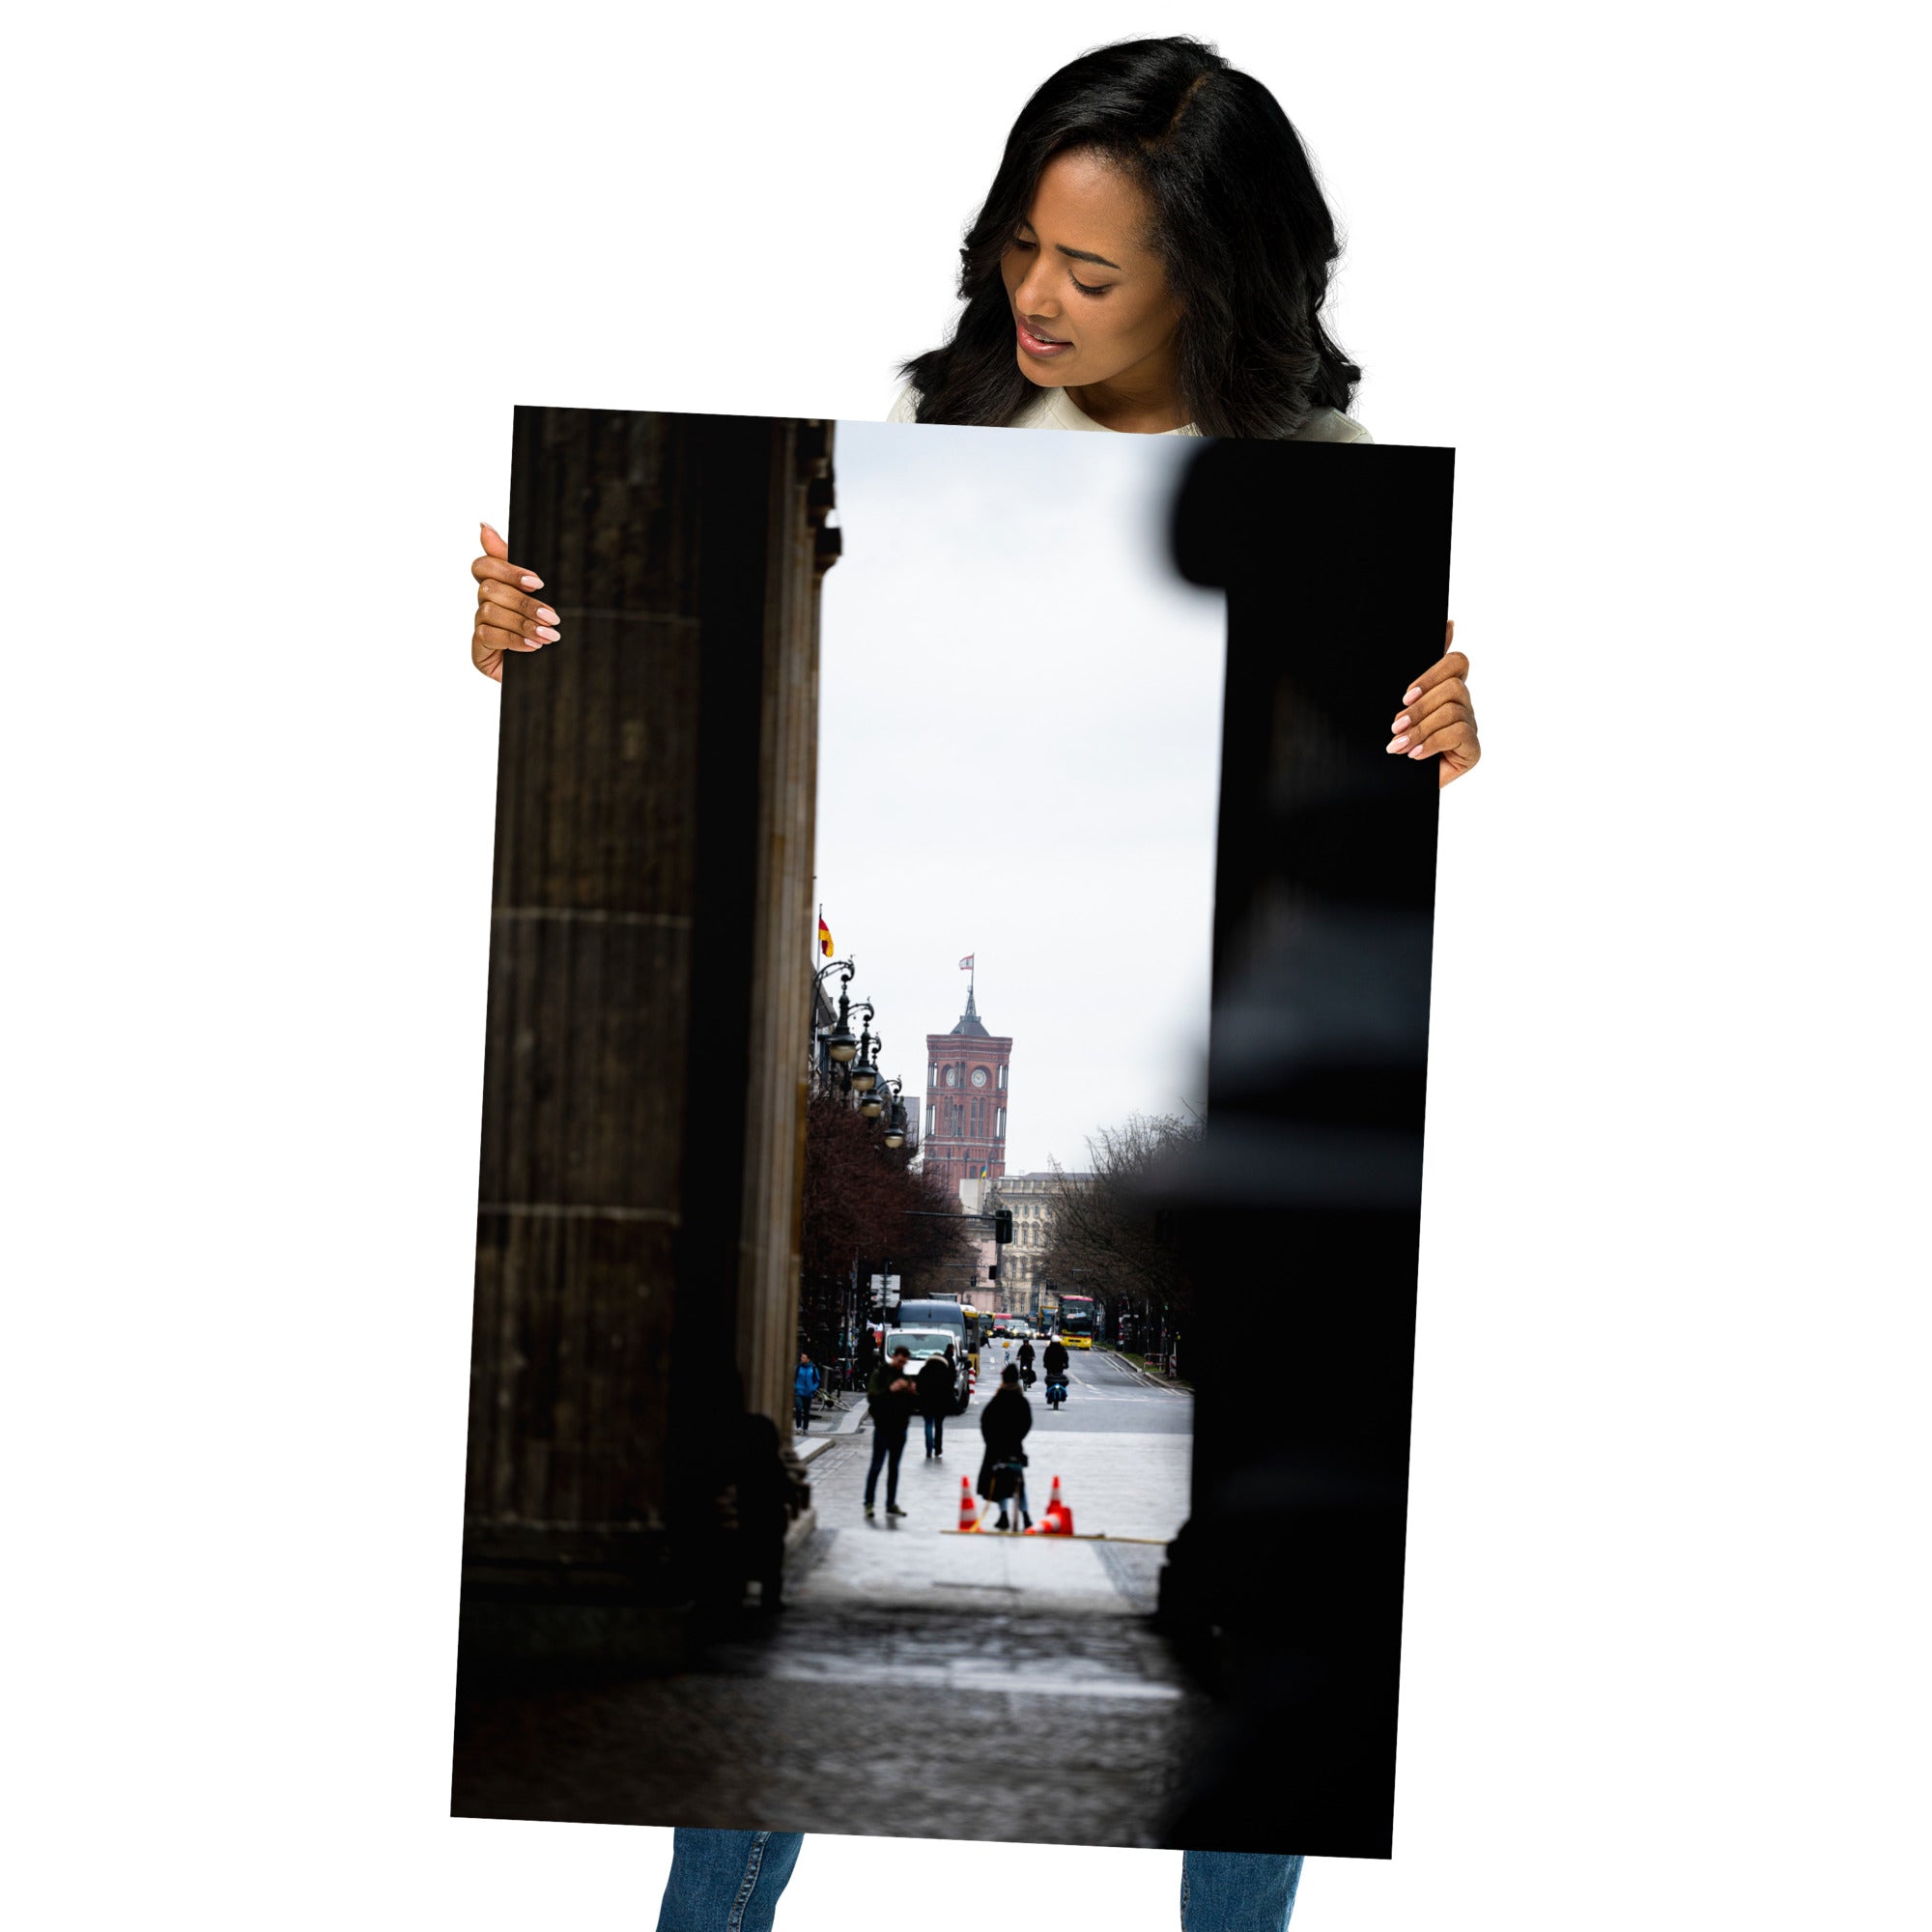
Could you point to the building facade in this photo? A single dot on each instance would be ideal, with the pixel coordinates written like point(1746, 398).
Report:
point(1029, 1198)
point(967, 1092)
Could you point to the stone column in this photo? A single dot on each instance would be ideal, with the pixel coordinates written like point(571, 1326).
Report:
point(642, 1113)
point(1300, 1211)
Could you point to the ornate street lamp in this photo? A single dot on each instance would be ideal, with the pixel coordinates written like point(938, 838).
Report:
point(895, 1120)
point(878, 1095)
point(865, 1070)
point(841, 1045)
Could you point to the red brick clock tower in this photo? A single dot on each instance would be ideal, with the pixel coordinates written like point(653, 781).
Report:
point(966, 1095)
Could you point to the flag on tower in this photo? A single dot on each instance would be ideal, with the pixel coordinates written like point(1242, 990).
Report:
point(966, 964)
point(982, 1170)
point(824, 934)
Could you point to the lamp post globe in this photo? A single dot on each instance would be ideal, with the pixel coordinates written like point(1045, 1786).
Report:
point(865, 1068)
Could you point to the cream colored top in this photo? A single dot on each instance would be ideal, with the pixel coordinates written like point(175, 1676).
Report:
point(1055, 409)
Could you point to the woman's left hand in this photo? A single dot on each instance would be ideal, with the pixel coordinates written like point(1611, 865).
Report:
point(1435, 720)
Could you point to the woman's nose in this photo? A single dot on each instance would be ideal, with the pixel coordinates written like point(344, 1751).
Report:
point(1031, 296)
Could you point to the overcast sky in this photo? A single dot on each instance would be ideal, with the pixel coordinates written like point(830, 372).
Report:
point(1019, 746)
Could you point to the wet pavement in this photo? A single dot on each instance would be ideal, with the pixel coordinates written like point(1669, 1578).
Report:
point(922, 1684)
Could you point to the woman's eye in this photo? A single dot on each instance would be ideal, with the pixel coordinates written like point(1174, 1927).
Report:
point(1096, 289)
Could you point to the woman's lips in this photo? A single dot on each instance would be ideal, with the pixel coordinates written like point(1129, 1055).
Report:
point(1044, 347)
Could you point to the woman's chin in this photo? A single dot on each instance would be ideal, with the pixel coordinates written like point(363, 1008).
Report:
point(1040, 379)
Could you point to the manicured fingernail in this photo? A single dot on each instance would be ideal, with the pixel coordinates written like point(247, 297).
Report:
point(1399, 723)
point(1413, 692)
point(492, 529)
point(546, 634)
point(546, 615)
point(1395, 744)
point(1417, 753)
point(536, 583)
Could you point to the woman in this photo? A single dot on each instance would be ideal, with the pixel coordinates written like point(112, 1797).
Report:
point(1152, 258)
point(1004, 1425)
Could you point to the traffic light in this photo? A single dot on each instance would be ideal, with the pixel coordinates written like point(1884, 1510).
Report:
point(993, 1272)
point(1003, 1226)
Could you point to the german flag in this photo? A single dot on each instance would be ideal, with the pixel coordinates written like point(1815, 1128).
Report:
point(824, 935)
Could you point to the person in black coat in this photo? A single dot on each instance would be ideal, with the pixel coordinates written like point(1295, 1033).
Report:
point(1004, 1424)
point(764, 1499)
point(936, 1381)
point(890, 1395)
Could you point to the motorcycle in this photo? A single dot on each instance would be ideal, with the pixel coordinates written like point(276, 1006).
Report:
point(1056, 1391)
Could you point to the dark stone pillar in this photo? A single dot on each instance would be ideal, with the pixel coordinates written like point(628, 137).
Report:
point(1301, 1208)
point(650, 925)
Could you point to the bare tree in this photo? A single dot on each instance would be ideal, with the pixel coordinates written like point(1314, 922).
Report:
point(865, 1207)
point(1106, 1238)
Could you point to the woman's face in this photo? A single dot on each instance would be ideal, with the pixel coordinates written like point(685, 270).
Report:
point(1091, 301)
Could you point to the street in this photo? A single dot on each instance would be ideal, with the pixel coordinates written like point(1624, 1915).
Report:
point(923, 1683)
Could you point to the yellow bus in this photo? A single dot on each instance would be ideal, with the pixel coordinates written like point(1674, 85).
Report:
point(1075, 1320)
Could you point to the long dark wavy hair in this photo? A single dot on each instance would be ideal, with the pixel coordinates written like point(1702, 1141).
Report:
point(1239, 226)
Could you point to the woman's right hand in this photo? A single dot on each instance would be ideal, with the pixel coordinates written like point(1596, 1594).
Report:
point(506, 620)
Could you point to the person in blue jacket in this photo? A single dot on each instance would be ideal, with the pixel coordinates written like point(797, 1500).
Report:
point(804, 1386)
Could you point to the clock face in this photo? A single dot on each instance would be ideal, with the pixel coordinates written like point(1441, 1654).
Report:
point(952, 1077)
point(978, 1076)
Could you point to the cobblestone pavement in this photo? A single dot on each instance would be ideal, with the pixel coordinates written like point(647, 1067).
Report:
point(922, 1684)
point(858, 1720)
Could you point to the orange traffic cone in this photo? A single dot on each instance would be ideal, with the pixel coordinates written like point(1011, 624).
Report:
point(967, 1518)
point(1058, 1514)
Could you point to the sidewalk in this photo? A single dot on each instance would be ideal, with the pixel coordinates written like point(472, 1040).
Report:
point(1138, 1369)
point(1131, 1487)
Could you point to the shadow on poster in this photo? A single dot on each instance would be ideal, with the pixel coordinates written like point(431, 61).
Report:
point(1121, 703)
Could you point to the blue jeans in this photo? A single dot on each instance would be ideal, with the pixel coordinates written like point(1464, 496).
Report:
point(727, 1881)
point(935, 1433)
point(731, 1881)
point(886, 1449)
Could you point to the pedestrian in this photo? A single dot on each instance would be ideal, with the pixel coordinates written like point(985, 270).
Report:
point(1002, 1469)
point(890, 1395)
point(805, 1383)
point(763, 1488)
point(937, 1380)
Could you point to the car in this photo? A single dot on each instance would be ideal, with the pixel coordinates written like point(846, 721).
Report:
point(926, 1342)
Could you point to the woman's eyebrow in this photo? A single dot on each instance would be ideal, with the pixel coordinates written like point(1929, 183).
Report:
point(1076, 255)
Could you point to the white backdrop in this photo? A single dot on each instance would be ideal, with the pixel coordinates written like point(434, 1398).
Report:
point(278, 278)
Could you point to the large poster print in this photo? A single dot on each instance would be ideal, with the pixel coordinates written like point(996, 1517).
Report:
point(951, 1145)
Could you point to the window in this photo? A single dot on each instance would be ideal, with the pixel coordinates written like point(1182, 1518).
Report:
point(1000, 1128)
point(1003, 1080)
point(933, 1074)
point(931, 1121)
